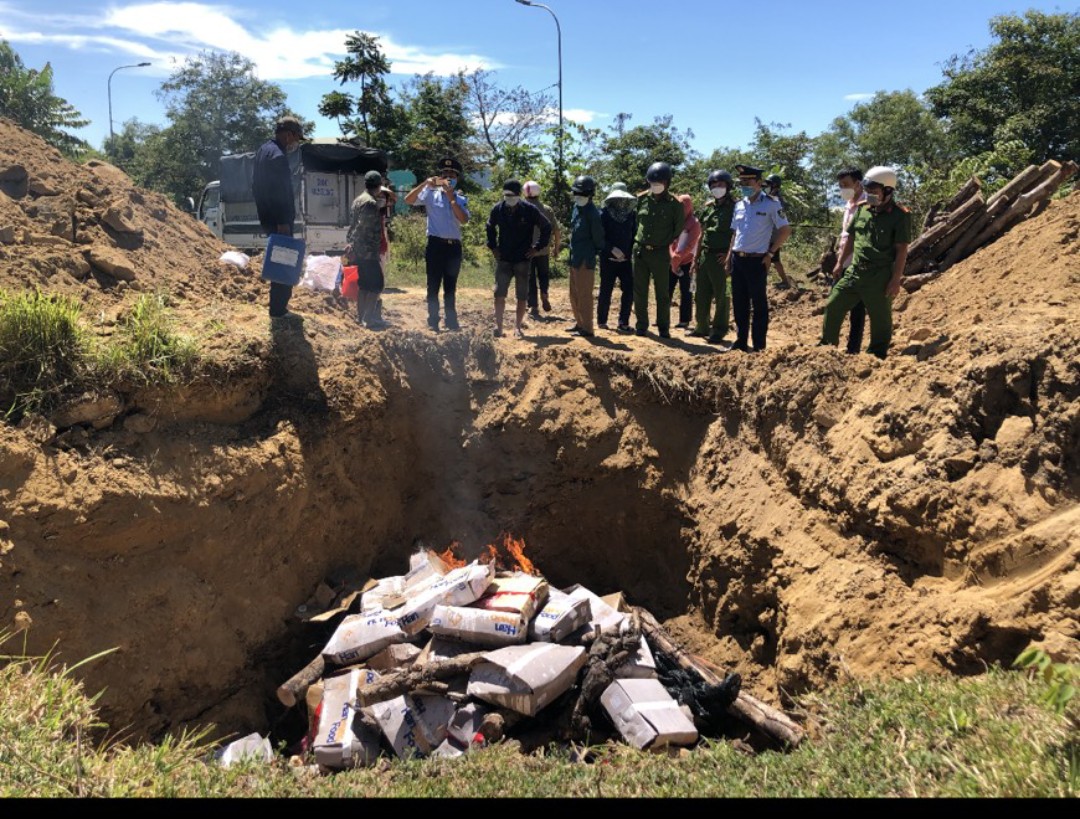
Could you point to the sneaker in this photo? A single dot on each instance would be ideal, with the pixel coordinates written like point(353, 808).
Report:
point(452, 325)
point(546, 303)
point(535, 313)
point(739, 347)
point(573, 329)
point(641, 332)
point(624, 328)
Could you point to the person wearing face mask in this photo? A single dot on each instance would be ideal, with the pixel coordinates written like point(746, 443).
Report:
point(683, 250)
point(716, 233)
point(660, 218)
point(447, 210)
point(772, 188)
point(761, 229)
point(540, 267)
point(877, 242)
point(586, 244)
point(851, 191)
point(272, 189)
point(516, 231)
point(364, 238)
point(619, 221)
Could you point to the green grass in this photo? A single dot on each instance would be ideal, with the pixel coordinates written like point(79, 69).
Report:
point(990, 736)
point(148, 348)
point(42, 350)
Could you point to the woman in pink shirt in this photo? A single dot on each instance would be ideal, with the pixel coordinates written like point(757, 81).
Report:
point(683, 251)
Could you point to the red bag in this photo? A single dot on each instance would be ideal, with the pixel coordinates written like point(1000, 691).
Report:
point(350, 282)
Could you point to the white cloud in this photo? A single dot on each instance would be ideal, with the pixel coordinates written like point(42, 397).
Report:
point(858, 97)
point(166, 32)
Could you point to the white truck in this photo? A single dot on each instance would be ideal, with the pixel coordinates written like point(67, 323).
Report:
point(328, 175)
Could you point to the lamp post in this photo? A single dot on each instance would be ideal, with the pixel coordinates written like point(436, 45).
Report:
point(559, 181)
point(136, 65)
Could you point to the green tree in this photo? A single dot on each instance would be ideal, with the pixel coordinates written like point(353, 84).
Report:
point(627, 153)
point(26, 96)
point(215, 105)
point(1024, 87)
point(429, 122)
point(508, 120)
point(367, 65)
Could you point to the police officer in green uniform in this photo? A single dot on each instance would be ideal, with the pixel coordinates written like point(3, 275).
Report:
point(708, 269)
point(878, 239)
point(660, 220)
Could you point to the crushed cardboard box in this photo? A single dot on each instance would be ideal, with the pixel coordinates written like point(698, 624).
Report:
point(526, 678)
point(646, 715)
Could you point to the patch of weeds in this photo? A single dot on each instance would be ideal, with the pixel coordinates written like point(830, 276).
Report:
point(42, 350)
point(146, 347)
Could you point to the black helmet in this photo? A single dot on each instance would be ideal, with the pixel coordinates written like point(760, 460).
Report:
point(773, 179)
point(658, 172)
point(583, 186)
point(716, 177)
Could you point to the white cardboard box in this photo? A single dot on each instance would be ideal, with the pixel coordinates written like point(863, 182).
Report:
point(394, 656)
point(360, 636)
point(561, 616)
point(342, 739)
point(601, 614)
point(646, 715)
point(526, 678)
point(415, 725)
point(445, 648)
point(520, 593)
point(484, 628)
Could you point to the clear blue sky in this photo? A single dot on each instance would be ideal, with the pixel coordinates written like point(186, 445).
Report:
point(714, 65)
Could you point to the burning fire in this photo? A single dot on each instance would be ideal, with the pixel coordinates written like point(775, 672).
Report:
point(507, 552)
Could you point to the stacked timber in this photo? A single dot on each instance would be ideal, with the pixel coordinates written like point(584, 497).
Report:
point(956, 229)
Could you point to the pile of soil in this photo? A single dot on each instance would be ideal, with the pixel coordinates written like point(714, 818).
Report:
point(799, 516)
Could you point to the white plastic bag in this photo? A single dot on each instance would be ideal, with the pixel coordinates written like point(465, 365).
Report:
point(253, 746)
point(235, 258)
point(321, 272)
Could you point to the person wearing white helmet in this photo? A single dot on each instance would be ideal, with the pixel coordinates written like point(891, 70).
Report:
point(540, 271)
point(877, 242)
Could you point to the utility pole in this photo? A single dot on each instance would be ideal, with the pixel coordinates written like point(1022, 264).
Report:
point(136, 65)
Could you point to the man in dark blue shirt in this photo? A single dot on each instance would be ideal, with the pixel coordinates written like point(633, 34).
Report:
point(510, 238)
point(272, 188)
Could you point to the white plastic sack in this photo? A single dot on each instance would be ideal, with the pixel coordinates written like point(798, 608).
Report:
point(235, 258)
point(321, 272)
point(253, 746)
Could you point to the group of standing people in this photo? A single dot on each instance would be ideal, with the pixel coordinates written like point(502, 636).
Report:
point(652, 241)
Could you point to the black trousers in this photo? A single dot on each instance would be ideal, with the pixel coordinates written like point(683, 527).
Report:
point(279, 293)
point(611, 272)
point(686, 299)
point(749, 297)
point(442, 260)
point(855, 331)
point(539, 274)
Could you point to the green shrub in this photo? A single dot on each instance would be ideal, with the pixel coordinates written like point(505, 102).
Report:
point(42, 350)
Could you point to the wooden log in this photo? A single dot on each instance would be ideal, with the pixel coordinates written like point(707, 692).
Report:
point(1024, 203)
point(956, 229)
point(293, 689)
point(932, 216)
point(972, 187)
point(416, 677)
point(771, 722)
point(913, 283)
point(960, 248)
point(1018, 184)
point(929, 238)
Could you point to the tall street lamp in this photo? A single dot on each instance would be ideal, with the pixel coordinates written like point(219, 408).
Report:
point(559, 181)
point(136, 65)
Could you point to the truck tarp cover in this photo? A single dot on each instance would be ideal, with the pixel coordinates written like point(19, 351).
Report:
point(237, 169)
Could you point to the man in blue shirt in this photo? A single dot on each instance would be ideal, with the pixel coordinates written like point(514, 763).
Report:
point(761, 229)
point(447, 210)
point(271, 187)
point(510, 237)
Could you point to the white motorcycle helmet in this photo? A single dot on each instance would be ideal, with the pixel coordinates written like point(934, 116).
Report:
point(881, 175)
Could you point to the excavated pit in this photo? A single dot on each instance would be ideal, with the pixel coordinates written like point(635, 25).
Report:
point(799, 516)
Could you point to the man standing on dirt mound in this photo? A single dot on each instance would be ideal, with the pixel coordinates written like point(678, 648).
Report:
point(271, 187)
point(712, 310)
point(365, 244)
point(877, 241)
point(761, 228)
point(540, 266)
point(512, 239)
point(447, 210)
point(660, 220)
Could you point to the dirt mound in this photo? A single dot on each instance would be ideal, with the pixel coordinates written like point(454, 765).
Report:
point(797, 516)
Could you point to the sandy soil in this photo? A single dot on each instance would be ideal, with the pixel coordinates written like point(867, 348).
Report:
point(800, 516)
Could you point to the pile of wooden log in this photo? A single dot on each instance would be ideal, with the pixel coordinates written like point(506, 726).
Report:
point(969, 221)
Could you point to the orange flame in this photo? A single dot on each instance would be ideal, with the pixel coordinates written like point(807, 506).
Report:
point(516, 548)
point(514, 551)
point(450, 556)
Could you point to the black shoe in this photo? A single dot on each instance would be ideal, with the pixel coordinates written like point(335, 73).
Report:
point(696, 334)
point(682, 325)
point(715, 340)
point(623, 328)
point(603, 326)
point(641, 332)
point(452, 325)
point(739, 347)
point(664, 332)
point(497, 333)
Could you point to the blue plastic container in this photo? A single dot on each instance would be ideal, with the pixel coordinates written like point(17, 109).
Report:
point(284, 260)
